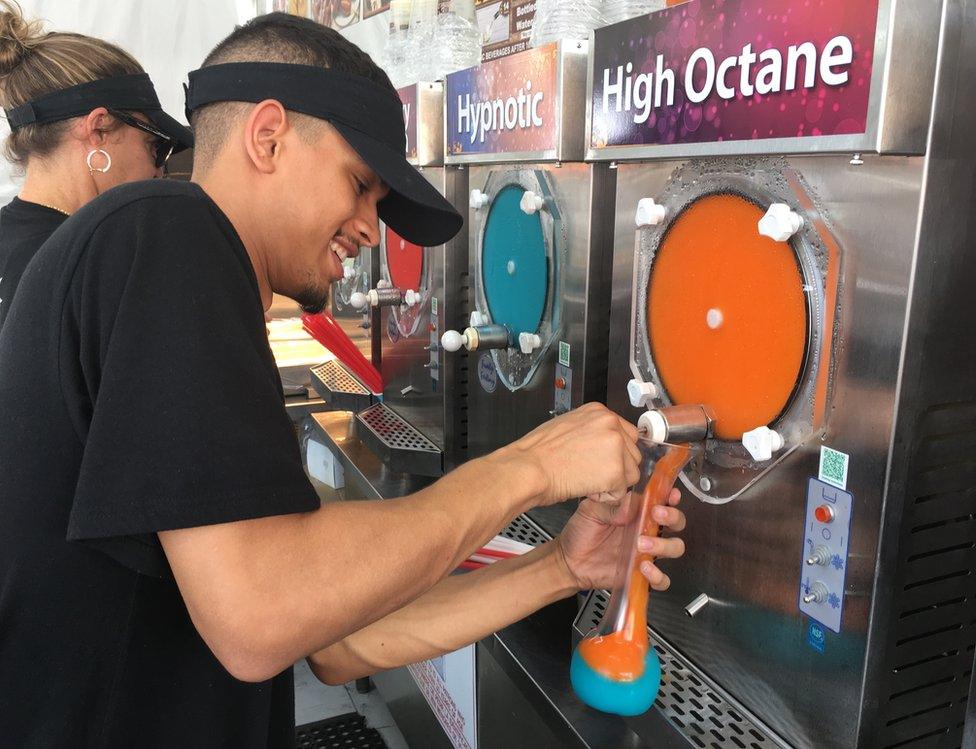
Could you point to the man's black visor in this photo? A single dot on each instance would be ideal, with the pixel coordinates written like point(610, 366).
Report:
point(132, 93)
point(367, 115)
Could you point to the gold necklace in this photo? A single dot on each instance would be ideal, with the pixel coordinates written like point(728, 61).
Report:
point(53, 208)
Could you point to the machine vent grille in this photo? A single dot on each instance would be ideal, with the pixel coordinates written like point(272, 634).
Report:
point(932, 629)
point(335, 377)
point(523, 529)
point(697, 708)
point(393, 430)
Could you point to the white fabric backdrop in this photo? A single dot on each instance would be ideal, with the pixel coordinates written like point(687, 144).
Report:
point(168, 38)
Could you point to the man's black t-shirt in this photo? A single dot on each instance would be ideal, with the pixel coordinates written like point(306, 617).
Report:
point(138, 394)
point(24, 227)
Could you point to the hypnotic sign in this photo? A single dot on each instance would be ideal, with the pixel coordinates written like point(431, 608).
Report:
point(731, 70)
point(504, 106)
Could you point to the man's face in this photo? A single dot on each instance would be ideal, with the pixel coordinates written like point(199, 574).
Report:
point(326, 212)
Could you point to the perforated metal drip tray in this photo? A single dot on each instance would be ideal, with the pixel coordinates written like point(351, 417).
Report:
point(338, 387)
point(524, 529)
point(400, 446)
point(697, 708)
point(341, 732)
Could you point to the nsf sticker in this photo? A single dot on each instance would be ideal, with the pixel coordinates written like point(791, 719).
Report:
point(816, 636)
point(833, 467)
point(564, 352)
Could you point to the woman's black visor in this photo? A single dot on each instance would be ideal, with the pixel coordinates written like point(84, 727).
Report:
point(129, 93)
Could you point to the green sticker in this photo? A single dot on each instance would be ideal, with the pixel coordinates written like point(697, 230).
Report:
point(433, 305)
point(564, 353)
point(833, 467)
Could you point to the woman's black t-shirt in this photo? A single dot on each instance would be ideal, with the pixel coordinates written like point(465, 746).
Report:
point(24, 227)
point(138, 394)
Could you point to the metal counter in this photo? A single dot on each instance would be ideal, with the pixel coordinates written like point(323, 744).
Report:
point(523, 689)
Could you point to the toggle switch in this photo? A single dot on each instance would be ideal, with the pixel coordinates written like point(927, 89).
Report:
point(820, 556)
point(818, 593)
point(780, 222)
point(649, 213)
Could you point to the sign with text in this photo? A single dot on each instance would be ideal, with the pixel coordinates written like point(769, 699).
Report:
point(448, 684)
point(408, 95)
point(504, 106)
point(729, 70)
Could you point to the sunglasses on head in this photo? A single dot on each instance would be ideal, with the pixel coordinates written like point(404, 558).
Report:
point(164, 145)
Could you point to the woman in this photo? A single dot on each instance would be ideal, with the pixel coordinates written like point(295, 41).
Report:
point(84, 117)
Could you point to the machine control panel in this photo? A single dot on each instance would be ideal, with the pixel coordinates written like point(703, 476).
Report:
point(434, 346)
point(827, 528)
point(562, 390)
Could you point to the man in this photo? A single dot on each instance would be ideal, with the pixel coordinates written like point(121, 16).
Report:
point(163, 559)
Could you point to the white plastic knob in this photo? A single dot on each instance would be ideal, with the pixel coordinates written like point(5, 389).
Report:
point(359, 300)
point(780, 222)
point(411, 298)
point(529, 342)
point(649, 213)
point(453, 341)
point(653, 423)
point(478, 199)
point(477, 319)
point(762, 443)
point(641, 393)
point(348, 272)
point(531, 203)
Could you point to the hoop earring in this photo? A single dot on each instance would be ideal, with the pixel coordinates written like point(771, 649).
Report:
point(108, 161)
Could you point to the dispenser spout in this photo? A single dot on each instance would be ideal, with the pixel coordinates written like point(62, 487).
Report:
point(678, 424)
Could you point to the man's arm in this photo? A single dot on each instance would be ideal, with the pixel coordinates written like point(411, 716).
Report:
point(265, 592)
point(462, 609)
point(459, 610)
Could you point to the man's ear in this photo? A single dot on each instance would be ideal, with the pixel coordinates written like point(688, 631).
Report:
point(264, 132)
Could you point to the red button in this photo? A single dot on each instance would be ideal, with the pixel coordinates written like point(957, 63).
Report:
point(824, 513)
point(560, 383)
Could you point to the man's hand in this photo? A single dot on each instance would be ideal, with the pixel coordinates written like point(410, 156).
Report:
point(589, 452)
point(592, 539)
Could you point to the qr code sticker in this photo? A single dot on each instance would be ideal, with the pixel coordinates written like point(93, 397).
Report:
point(833, 467)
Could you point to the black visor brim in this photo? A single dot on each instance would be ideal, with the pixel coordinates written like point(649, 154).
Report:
point(414, 208)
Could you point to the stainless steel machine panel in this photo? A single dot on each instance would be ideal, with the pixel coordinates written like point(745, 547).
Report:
point(419, 383)
point(510, 393)
point(745, 556)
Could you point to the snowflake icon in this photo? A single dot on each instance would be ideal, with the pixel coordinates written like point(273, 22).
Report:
point(837, 562)
point(834, 601)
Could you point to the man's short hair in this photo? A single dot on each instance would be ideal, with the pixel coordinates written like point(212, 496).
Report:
point(275, 37)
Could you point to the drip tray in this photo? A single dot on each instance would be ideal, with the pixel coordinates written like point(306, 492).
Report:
point(338, 387)
point(401, 447)
point(342, 732)
point(719, 720)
